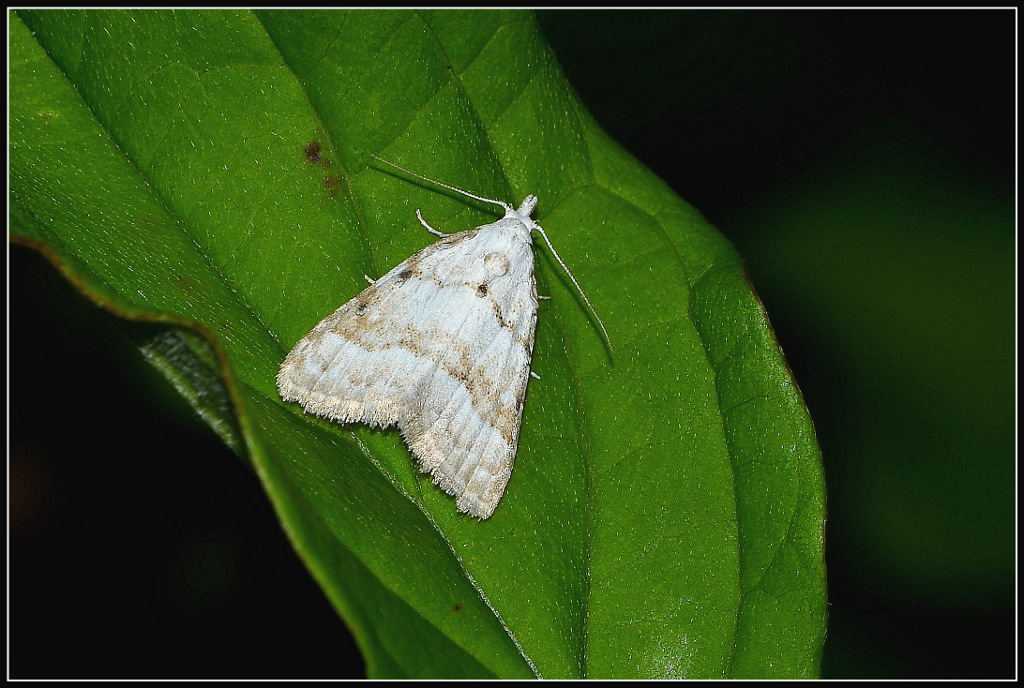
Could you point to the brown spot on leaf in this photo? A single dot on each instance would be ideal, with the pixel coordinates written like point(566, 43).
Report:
point(333, 185)
point(312, 152)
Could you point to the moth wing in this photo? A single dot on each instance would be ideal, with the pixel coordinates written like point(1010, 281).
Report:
point(358, 364)
point(467, 433)
point(441, 345)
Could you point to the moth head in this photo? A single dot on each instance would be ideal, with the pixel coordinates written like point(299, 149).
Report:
point(522, 215)
point(528, 205)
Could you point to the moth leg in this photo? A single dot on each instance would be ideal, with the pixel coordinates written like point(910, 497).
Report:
point(369, 279)
point(429, 228)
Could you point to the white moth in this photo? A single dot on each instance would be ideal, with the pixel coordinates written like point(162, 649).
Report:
point(441, 346)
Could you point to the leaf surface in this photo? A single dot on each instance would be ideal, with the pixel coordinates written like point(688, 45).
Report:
point(212, 170)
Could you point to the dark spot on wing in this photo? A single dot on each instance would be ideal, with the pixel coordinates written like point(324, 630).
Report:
point(502, 322)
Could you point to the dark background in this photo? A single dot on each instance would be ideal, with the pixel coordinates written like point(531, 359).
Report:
point(863, 163)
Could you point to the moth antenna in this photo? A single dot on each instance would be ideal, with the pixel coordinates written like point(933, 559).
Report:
point(607, 339)
point(502, 205)
point(507, 208)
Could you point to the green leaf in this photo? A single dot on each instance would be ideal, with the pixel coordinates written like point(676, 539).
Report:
point(665, 515)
